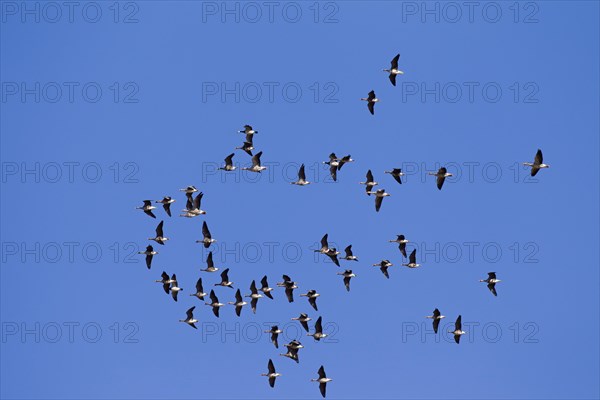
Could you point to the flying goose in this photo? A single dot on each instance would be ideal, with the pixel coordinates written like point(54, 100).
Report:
point(330, 252)
point(347, 274)
point(294, 344)
point(225, 279)
point(166, 202)
point(333, 163)
point(412, 260)
point(292, 353)
point(149, 254)
point(436, 317)
point(394, 70)
point(228, 163)
point(383, 266)
point(166, 281)
point(401, 240)
point(396, 173)
point(318, 335)
point(265, 287)
point(301, 178)
point(371, 100)
point(147, 208)
point(370, 182)
point(457, 330)
point(207, 239)
point(272, 375)
point(238, 303)
point(303, 319)
point(175, 289)
point(254, 295)
point(349, 256)
point(441, 175)
point(190, 318)
point(289, 286)
point(379, 195)
point(189, 190)
point(491, 281)
point(210, 265)
point(537, 164)
point(275, 331)
point(248, 130)
point(248, 145)
point(199, 290)
point(323, 379)
point(214, 303)
point(160, 238)
point(192, 208)
point(256, 167)
point(312, 298)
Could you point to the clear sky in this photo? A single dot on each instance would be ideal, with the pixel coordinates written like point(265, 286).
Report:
point(107, 104)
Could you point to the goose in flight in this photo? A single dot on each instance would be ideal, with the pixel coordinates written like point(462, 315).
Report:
point(394, 70)
point(248, 145)
point(347, 274)
point(192, 207)
point(175, 289)
point(166, 203)
point(491, 282)
point(323, 379)
point(349, 256)
point(292, 353)
point(379, 195)
point(149, 252)
point(210, 265)
point(265, 287)
point(225, 279)
point(274, 331)
point(199, 290)
point(301, 178)
point(166, 281)
point(318, 335)
point(383, 266)
point(160, 237)
point(329, 252)
point(214, 303)
point(436, 317)
point(441, 175)
point(207, 239)
point(537, 164)
point(190, 318)
point(303, 319)
point(254, 295)
point(189, 189)
point(457, 332)
point(289, 286)
point(396, 173)
point(370, 182)
point(401, 240)
point(312, 298)
point(228, 163)
point(238, 303)
point(333, 163)
point(371, 100)
point(272, 374)
point(248, 130)
point(412, 260)
point(147, 208)
point(256, 167)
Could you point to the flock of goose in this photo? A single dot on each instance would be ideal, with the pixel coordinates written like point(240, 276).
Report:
point(193, 209)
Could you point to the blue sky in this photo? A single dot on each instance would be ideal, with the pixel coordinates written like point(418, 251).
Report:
point(69, 225)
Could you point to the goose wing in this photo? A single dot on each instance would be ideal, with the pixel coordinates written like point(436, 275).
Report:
point(348, 251)
point(289, 292)
point(159, 229)
point(209, 261)
point(198, 200)
point(347, 283)
point(301, 174)
point(492, 287)
point(395, 61)
point(190, 313)
point(150, 213)
point(256, 159)
point(333, 172)
point(229, 159)
point(458, 323)
point(224, 275)
point(199, 288)
point(436, 324)
point(378, 201)
point(539, 158)
point(413, 257)
point(213, 297)
point(205, 231)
